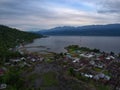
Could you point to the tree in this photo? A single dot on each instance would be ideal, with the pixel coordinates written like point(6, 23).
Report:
point(112, 53)
point(71, 71)
point(119, 55)
point(13, 78)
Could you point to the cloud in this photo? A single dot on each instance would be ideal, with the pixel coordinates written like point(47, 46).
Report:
point(110, 6)
point(40, 14)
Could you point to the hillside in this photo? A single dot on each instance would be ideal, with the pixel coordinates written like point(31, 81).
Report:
point(10, 37)
point(90, 30)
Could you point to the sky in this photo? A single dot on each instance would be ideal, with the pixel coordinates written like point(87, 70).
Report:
point(44, 14)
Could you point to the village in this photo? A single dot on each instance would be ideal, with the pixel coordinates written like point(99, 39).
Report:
point(93, 64)
point(78, 62)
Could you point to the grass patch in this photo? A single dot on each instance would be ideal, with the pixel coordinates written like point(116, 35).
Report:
point(83, 78)
point(78, 86)
point(48, 60)
point(106, 72)
point(33, 77)
point(49, 79)
point(97, 69)
point(103, 87)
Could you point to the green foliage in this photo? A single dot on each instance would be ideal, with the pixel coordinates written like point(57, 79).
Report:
point(72, 47)
point(76, 47)
point(112, 53)
point(81, 77)
point(119, 55)
point(10, 37)
point(13, 79)
point(49, 79)
point(97, 69)
point(32, 77)
point(95, 50)
point(103, 87)
point(71, 71)
point(48, 60)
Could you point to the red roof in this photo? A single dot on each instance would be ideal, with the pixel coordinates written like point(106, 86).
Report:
point(1, 71)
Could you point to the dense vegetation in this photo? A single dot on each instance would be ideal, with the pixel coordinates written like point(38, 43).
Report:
point(10, 37)
point(76, 47)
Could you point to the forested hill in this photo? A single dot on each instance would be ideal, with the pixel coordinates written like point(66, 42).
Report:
point(9, 37)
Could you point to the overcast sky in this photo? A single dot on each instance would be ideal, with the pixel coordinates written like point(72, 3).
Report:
point(44, 14)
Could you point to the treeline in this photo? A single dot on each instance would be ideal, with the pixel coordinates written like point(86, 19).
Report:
point(10, 37)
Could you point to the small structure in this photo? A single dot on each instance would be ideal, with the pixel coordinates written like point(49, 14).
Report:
point(3, 86)
point(110, 57)
point(23, 58)
point(33, 59)
point(1, 72)
point(92, 62)
point(101, 76)
point(15, 60)
point(76, 60)
point(88, 75)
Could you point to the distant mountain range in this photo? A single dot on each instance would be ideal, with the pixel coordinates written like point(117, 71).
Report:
point(90, 30)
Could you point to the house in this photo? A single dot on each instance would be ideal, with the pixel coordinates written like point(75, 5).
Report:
point(110, 57)
point(33, 59)
point(7, 63)
point(101, 57)
point(101, 76)
point(87, 55)
point(99, 64)
point(1, 72)
point(15, 60)
point(23, 58)
point(3, 86)
point(96, 77)
point(82, 55)
point(92, 62)
point(69, 56)
point(107, 78)
point(77, 51)
point(41, 59)
point(88, 75)
point(90, 56)
point(76, 60)
point(24, 64)
point(21, 52)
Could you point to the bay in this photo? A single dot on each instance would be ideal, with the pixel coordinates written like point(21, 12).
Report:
point(57, 43)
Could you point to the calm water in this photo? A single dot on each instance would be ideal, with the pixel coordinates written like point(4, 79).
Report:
point(57, 43)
